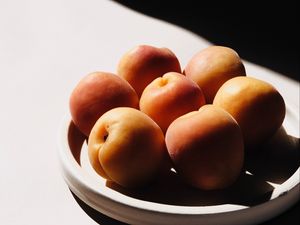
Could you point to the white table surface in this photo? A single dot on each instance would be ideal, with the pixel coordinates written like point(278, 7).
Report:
point(45, 48)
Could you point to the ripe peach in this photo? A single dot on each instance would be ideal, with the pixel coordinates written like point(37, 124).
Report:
point(206, 147)
point(256, 105)
point(127, 147)
point(97, 93)
point(144, 63)
point(169, 97)
point(211, 67)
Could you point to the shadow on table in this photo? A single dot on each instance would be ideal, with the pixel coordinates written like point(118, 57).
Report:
point(95, 215)
point(264, 37)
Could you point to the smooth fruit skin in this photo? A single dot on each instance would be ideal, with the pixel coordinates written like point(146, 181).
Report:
point(206, 148)
point(142, 64)
point(127, 147)
point(170, 96)
point(256, 105)
point(212, 67)
point(97, 93)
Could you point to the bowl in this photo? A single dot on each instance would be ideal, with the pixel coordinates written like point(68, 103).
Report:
point(268, 187)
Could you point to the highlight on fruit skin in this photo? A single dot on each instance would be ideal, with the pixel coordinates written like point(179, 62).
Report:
point(127, 147)
point(206, 148)
point(95, 94)
point(213, 66)
point(256, 105)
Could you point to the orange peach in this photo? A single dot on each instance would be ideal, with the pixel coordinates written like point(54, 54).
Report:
point(97, 93)
point(144, 63)
point(256, 105)
point(127, 147)
point(169, 97)
point(213, 66)
point(206, 147)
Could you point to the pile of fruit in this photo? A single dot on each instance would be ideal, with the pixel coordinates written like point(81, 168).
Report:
point(152, 116)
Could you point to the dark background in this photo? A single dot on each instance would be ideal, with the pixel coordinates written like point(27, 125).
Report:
point(265, 35)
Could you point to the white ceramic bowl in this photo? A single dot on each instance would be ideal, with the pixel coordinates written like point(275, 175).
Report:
point(271, 189)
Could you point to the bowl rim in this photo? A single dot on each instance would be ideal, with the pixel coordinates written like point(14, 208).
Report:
point(119, 206)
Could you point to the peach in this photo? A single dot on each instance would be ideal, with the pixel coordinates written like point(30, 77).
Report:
point(213, 66)
point(97, 93)
point(127, 147)
point(169, 97)
point(142, 64)
point(256, 105)
point(206, 147)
